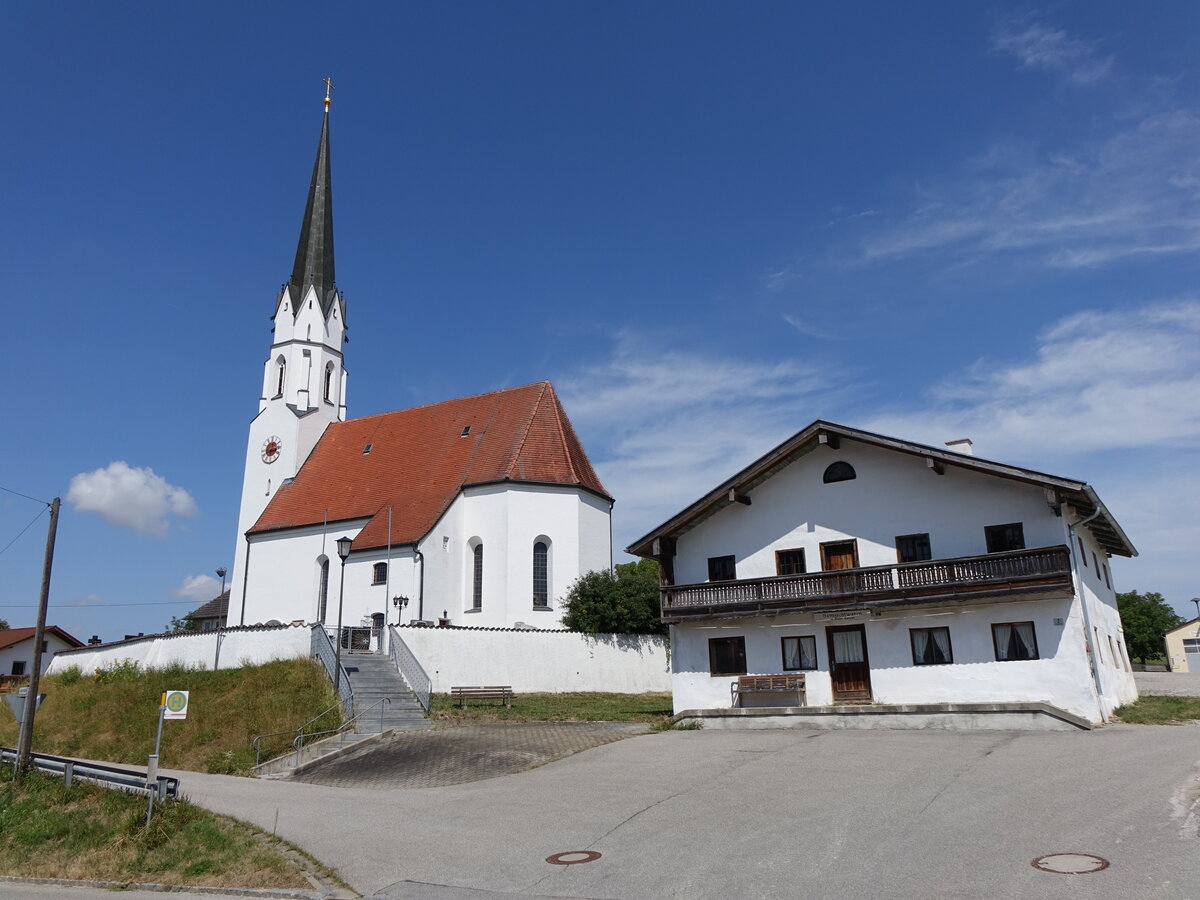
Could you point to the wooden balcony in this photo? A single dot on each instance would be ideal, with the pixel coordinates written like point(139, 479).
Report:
point(1017, 573)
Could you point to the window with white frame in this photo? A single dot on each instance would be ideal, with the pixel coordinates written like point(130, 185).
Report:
point(477, 576)
point(541, 570)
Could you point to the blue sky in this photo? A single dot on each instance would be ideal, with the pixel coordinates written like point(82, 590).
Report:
point(708, 224)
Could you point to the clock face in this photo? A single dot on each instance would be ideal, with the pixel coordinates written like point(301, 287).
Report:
point(270, 449)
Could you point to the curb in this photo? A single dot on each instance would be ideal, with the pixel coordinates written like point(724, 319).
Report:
point(182, 888)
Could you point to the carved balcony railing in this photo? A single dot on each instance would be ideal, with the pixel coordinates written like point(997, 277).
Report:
point(1018, 572)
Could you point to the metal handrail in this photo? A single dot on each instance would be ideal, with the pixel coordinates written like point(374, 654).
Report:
point(130, 780)
point(322, 648)
point(298, 743)
point(409, 668)
point(258, 737)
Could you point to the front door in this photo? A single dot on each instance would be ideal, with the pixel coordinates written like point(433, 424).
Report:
point(849, 669)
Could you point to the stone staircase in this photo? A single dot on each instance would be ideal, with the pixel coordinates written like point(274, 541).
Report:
point(374, 678)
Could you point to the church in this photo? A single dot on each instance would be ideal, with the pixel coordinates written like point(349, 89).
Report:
point(477, 511)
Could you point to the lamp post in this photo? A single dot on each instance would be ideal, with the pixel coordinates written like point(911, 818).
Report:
point(400, 602)
point(221, 574)
point(343, 550)
point(1196, 600)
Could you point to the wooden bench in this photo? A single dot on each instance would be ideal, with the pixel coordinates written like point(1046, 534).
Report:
point(767, 684)
point(503, 693)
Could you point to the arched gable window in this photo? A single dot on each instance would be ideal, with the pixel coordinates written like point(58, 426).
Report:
point(329, 383)
point(322, 588)
point(477, 576)
point(379, 573)
point(280, 373)
point(839, 471)
point(541, 568)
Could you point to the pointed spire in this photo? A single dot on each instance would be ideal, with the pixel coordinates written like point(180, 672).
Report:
point(314, 252)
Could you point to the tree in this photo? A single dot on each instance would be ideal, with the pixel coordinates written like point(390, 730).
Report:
point(186, 623)
point(3, 624)
point(1145, 617)
point(600, 602)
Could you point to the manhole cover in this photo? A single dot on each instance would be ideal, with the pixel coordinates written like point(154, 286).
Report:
point(572, 857)
point(1070, 863)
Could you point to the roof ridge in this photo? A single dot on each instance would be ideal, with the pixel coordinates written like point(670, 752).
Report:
point(392, 412)
point(556, 406)
point(526, 429)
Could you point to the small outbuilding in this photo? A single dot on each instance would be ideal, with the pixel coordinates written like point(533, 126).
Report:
point(1183, 647)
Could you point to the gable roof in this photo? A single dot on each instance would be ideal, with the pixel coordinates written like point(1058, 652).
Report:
point(217, 607)
point(13, 636)
point(420, 459)
point(1079, 494)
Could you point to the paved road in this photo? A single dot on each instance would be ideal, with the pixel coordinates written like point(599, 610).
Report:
point(463, 753)
point(1168, 684)
point(726, 814)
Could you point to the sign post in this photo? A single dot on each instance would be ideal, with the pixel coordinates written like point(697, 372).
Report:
point(172, 705)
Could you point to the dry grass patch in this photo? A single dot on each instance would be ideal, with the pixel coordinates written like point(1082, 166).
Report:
point(87, 832)
point(114, 714)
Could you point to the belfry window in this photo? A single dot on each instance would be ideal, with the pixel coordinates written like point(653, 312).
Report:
point(281, 370)
point(329, 383)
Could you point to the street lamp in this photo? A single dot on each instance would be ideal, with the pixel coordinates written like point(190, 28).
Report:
point(343, 550)
point(400, 602)
point(221, 574)
point(1196, 600)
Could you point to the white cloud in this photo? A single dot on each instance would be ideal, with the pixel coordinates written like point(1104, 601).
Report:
point(130, 497)
point(1119, 379)
point(197, 588)
point(89, 600)
point(1037, 46)
point(1134, 193)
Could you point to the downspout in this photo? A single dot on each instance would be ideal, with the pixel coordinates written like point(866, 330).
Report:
point(245, 581)
point(611, 568)
point(421, 587)
point(1073, 542)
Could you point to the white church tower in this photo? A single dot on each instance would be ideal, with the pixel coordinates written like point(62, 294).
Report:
point(304, 377)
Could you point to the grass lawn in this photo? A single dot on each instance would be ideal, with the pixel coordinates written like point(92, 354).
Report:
point(1159, 711)
point(113, 715)
point(576, 707)
point(88, 832)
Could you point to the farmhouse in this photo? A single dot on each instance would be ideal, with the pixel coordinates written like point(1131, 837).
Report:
point(867, 570)
point(16, 650)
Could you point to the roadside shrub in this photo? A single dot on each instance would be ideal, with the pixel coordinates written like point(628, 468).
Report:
point(69, 676)
point(117, 671)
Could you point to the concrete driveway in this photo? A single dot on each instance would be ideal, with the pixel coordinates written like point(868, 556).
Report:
point(727, 814)
point(1168, 684)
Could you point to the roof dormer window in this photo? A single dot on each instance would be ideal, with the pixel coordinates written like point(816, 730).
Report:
point(466, 430)
point(367, 449)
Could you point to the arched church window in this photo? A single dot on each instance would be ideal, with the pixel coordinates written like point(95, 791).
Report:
point(322, 589)
point(477, 576)
point(329, 383)
point(280, 370)
point(839, 471)
point(541, 559)
point(379, 573)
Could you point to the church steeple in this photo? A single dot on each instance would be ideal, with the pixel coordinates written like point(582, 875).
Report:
point(314, 251)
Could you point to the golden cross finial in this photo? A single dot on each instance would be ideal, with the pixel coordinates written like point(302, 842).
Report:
point(328, 88)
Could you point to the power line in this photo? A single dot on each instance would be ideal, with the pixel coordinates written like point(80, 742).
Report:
point(26, 496)
point(25, 529)
point(96, 605)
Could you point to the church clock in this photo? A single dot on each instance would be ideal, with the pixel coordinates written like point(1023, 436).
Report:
point(270, 449)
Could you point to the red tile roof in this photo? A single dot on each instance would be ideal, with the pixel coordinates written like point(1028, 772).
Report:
point(13, 636)
point(420, 460)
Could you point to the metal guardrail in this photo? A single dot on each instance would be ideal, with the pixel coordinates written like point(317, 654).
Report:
point(69, 770)
point(410, 670)
point(322, 648)
point(298, 743)
point(256, 742)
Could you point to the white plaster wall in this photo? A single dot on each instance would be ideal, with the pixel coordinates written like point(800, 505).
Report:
point(1060, 677)
point(240, 647)
point(284, 575)
point(509, 519)
point(23, 652)
point(538, 661)
point(893, 494)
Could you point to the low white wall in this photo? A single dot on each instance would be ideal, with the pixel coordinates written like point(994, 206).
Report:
point(238, 647)
point(541, 661)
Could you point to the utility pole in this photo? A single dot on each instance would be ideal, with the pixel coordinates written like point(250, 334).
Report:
point(25, 738)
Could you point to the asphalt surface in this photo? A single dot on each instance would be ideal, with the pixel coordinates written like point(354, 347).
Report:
point(724, 814)
point(1168, 684)
point(462, 753)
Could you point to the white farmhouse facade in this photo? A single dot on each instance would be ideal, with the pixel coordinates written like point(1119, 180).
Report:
point(16, 649)
point(893, 573)
point(480, 510)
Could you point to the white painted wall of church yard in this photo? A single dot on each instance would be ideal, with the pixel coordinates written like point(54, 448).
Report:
point(893, 494)
point(541, 661)
point(238, 648)
point(284, 574)
point(23, 652)
point(1060, 677)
